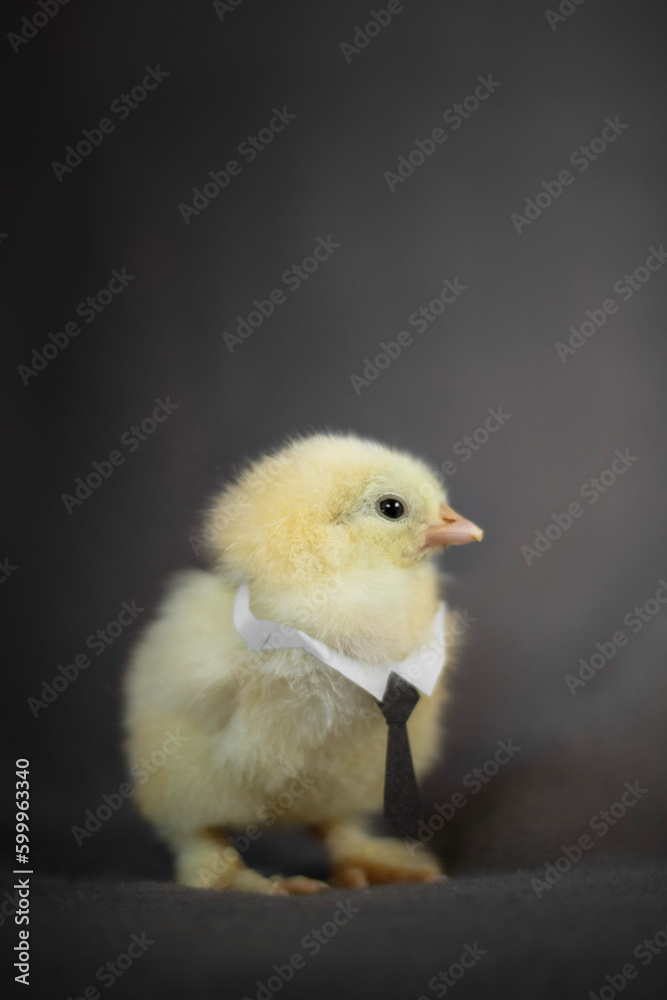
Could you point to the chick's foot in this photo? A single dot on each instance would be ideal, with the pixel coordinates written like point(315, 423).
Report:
point(298, 885)
point(207, 860)
point(357, 874)
point(359, 859)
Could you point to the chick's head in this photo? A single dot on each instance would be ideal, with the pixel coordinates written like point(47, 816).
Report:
point(331, 506)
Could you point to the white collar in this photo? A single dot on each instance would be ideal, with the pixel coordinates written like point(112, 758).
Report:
point(421, 669)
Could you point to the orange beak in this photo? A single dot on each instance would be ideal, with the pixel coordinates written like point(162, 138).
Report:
point(452, 530)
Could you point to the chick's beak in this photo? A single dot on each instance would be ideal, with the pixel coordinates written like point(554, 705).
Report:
point(452, 529)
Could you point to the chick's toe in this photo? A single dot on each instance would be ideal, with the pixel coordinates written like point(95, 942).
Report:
point(298, 885)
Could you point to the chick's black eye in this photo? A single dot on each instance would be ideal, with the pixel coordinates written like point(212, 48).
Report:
point(391, 507)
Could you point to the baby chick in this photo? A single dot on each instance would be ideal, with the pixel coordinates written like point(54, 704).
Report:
point(332, 534)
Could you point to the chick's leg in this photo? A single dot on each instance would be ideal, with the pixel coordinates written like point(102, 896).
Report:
point(207, 860)
point(359, 859)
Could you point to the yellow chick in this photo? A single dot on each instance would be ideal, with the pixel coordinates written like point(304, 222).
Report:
point(332, 535)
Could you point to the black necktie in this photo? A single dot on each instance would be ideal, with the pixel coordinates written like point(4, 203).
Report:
point(402, 806)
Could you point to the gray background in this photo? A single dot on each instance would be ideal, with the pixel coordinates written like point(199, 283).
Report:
point(494, 347)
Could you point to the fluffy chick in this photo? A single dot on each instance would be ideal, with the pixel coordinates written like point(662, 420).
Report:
point(276, 737)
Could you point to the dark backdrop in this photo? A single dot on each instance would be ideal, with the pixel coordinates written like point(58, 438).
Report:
point(554, 85)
